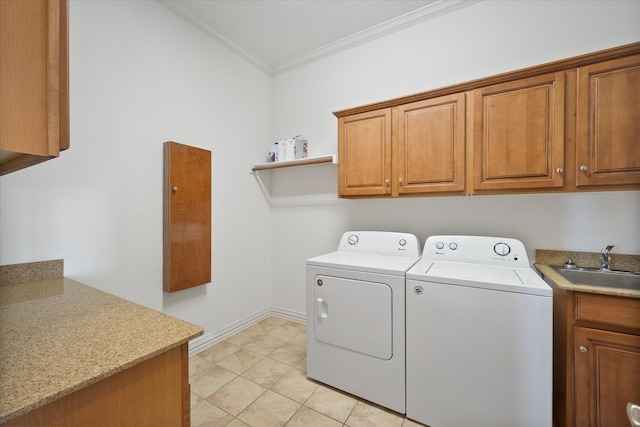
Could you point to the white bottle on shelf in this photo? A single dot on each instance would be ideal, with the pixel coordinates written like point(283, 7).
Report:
point(280, 156)
point(290, 153)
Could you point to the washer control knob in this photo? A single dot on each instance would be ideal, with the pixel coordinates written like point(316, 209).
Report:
point(402, 242)
point(502, 249)
point(453, 246)
point(353, 239)
point(439, 245)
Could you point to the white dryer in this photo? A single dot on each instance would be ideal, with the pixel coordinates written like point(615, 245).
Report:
point(356, 315)
point(479, 335)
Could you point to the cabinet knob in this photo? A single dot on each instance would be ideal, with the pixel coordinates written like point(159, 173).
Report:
point(559, 170)
point(386, 181)
point(583, 349)
point(399, 180)
point(583, 168)
point(175, 189)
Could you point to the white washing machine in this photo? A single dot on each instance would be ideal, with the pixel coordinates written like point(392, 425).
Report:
point(479, 335)
point(356, 317)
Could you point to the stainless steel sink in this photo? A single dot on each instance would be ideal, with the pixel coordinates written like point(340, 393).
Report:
point(594, 277)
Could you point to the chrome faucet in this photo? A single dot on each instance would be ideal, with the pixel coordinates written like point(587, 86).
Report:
point(605, 260)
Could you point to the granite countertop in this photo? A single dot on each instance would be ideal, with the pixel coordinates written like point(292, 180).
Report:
point(545, 259)
point(58, 336)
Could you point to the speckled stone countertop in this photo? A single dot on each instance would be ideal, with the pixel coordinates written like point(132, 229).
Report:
point(547, 258)
point(58, 336)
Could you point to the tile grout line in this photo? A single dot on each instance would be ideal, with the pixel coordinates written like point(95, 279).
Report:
point(242, 342)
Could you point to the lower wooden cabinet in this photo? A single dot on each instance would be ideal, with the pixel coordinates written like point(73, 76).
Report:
point(152, 393)
point(596, 358)
point(607, 376)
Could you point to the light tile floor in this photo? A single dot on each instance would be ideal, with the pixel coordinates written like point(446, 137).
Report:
point(257, 378)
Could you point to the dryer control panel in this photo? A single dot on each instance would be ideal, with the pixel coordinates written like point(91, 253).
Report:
point(380, 242)
point(476, 249)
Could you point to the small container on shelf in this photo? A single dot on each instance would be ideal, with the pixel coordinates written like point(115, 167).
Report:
point(301, 149)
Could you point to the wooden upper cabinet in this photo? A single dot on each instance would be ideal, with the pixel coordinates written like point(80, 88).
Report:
point(364, 154)
point(518, 134)
point(568, 125)
point(608, 123)
point(430, 146)
point(34, 94)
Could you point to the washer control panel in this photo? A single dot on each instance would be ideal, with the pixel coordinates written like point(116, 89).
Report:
point(380, 242)
point(477, 249)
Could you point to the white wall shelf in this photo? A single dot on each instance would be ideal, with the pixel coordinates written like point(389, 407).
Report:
point(330, 158)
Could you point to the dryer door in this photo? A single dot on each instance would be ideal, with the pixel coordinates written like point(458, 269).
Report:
point(354, 314)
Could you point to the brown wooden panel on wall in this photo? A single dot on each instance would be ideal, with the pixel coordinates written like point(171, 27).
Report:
point(187, 216)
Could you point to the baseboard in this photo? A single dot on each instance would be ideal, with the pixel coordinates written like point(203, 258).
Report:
point(207, 340)
point(294, 316)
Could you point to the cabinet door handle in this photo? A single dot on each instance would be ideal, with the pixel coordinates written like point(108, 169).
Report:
point(583, 349)
point(399, 180)
point(386, 181)
point(583, 168)
point(633, 411)
point(559, 170)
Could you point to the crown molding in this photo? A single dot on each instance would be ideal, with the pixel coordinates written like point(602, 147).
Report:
point(391, 26)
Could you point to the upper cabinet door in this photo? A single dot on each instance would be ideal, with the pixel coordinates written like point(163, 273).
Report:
point(364, 154)
point(518, 134)
point(430, 146)
point(608, 123)
point(34, 100)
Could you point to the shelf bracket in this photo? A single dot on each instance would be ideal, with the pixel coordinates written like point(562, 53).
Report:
point(263, 188)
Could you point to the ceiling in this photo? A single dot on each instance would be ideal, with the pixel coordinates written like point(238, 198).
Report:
point(278, 35)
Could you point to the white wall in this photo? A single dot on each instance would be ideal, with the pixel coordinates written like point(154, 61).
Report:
point(483, 39)
point(139, 76)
